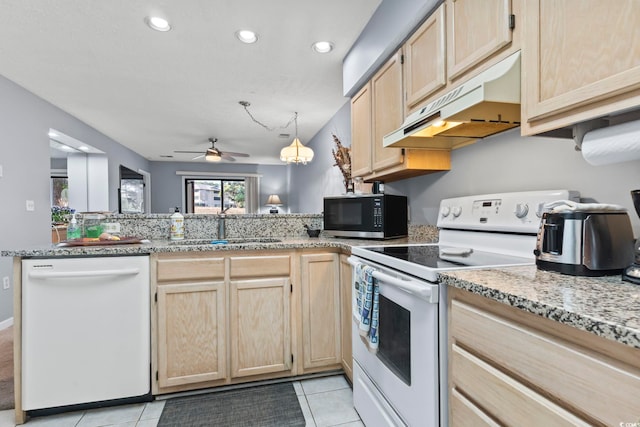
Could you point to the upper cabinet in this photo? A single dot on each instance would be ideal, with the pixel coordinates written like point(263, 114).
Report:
point(476, 31)
point(580, 60)
point(376, 110)
point(424, 56)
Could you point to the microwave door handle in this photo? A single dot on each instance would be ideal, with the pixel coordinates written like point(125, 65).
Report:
point(424, 291)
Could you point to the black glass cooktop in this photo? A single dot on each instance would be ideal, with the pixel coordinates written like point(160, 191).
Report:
point(447, 257)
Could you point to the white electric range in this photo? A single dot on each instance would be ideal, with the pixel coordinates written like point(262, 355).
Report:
point(404, 382)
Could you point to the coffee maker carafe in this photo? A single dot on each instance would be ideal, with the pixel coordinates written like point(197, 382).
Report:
point(632, 273)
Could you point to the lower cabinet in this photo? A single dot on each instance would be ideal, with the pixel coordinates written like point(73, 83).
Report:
point(224, 318)
point(512, 368)
point(260, 321)
point(192, 325)
point(320, 291)
point(221, 319)
point(346, 316)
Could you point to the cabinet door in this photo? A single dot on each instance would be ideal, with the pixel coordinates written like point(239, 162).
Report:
point(191, 333)
point(577, 53)
point(320, 310)
point(424, 60)
point(259, 312)
point(361, 132)
point(476, 30)
point(387, 112)
point(346, 316)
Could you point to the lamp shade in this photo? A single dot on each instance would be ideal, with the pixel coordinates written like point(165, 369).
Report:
point(273, 200)
point(296, 153)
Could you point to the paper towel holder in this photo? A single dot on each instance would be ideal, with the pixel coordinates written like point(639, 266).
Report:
point(580, 130)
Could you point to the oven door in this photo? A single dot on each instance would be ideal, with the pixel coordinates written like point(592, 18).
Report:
point(404, 373)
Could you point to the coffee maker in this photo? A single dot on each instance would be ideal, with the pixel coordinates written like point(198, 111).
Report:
point(632, 273)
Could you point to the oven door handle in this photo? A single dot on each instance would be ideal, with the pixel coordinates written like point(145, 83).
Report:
point(425, 291)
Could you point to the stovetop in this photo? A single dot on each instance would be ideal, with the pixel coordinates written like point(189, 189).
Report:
point(434, 256)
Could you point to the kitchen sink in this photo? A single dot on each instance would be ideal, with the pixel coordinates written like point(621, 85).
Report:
point(236, 241)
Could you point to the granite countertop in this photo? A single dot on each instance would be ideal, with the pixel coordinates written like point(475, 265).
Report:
point(605, 306)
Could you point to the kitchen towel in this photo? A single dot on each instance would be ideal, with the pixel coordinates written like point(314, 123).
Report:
point(613, 144)
point(571, 206)
point(367, 306)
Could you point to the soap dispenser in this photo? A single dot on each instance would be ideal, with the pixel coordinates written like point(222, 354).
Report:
point(73, 231)
point(177, 225)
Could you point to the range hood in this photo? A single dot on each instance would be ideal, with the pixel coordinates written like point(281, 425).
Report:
point(485, 105)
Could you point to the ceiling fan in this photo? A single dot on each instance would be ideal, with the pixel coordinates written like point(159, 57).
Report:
point(213, 154)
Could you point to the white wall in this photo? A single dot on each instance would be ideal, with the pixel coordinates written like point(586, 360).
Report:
point(311, 182)
point(508, 162)
point(25, 120)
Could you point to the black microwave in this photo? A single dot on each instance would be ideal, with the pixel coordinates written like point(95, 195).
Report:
point(368, 216)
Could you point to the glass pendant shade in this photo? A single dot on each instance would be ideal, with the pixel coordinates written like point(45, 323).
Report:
point(296, 153)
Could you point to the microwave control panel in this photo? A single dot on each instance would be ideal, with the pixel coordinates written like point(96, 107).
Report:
point(377, 213)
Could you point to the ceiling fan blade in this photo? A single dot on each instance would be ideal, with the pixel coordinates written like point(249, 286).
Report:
point(226, 156)
point(231, 153)
point(189, 152)
point(198, 157)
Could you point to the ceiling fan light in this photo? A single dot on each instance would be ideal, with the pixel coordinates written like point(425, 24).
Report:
point(296, 153)
point(212, 156)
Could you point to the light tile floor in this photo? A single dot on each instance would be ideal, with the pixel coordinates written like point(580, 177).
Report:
point(325, 402)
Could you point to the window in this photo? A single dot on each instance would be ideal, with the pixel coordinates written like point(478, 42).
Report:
point(60, 191)
point(211, 196)
point(131, 191)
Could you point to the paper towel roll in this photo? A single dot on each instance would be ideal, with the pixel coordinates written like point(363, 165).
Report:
point(613, 144)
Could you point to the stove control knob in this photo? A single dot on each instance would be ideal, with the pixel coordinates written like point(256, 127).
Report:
point(445, 211)
point(522, 209)
point(456, 211)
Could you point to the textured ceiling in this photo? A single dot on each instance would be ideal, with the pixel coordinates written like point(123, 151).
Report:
point(156, 92)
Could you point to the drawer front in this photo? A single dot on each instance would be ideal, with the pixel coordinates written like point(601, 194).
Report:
point(462, 412)
point(504, 398)
point(192, 268)
point(260, 266)
point(598, 387)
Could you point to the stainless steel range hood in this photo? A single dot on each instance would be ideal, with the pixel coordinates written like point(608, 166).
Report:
point(485, 105)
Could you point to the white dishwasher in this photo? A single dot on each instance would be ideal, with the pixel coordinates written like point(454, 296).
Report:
point(85, 330)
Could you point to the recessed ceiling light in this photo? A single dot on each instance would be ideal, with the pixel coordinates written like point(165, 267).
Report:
point(83, 148)
point(322, 47)
point(52, 134)
point(157, 23)
point(246, 36)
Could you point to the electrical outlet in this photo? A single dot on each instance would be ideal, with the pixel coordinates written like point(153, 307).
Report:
point(1, 172)
point(31, 205)
point(5, 282)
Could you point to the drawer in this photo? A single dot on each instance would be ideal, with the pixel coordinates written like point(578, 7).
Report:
point(260, 266)
point(189, 268)
point(594, 385)
point(462, 412)
point(502, 397)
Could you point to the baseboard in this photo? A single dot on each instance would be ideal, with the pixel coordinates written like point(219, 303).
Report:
point(6, 323)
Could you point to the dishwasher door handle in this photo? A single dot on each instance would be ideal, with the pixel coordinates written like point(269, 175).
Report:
point(89, 273)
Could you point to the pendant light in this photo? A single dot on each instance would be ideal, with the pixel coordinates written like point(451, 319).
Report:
point(296, 152)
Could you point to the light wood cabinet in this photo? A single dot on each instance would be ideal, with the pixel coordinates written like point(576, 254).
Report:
point(221, 318)
point(346, 316)
point(260, 326)
point(320, 292)
point(191, 333)
point(519, 369)
point(476, 32)
point(580, 60)
point(361, 141)
point(377, 110)
point(424, 60)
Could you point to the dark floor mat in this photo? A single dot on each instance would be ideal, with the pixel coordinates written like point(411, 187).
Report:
point(261, 406)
